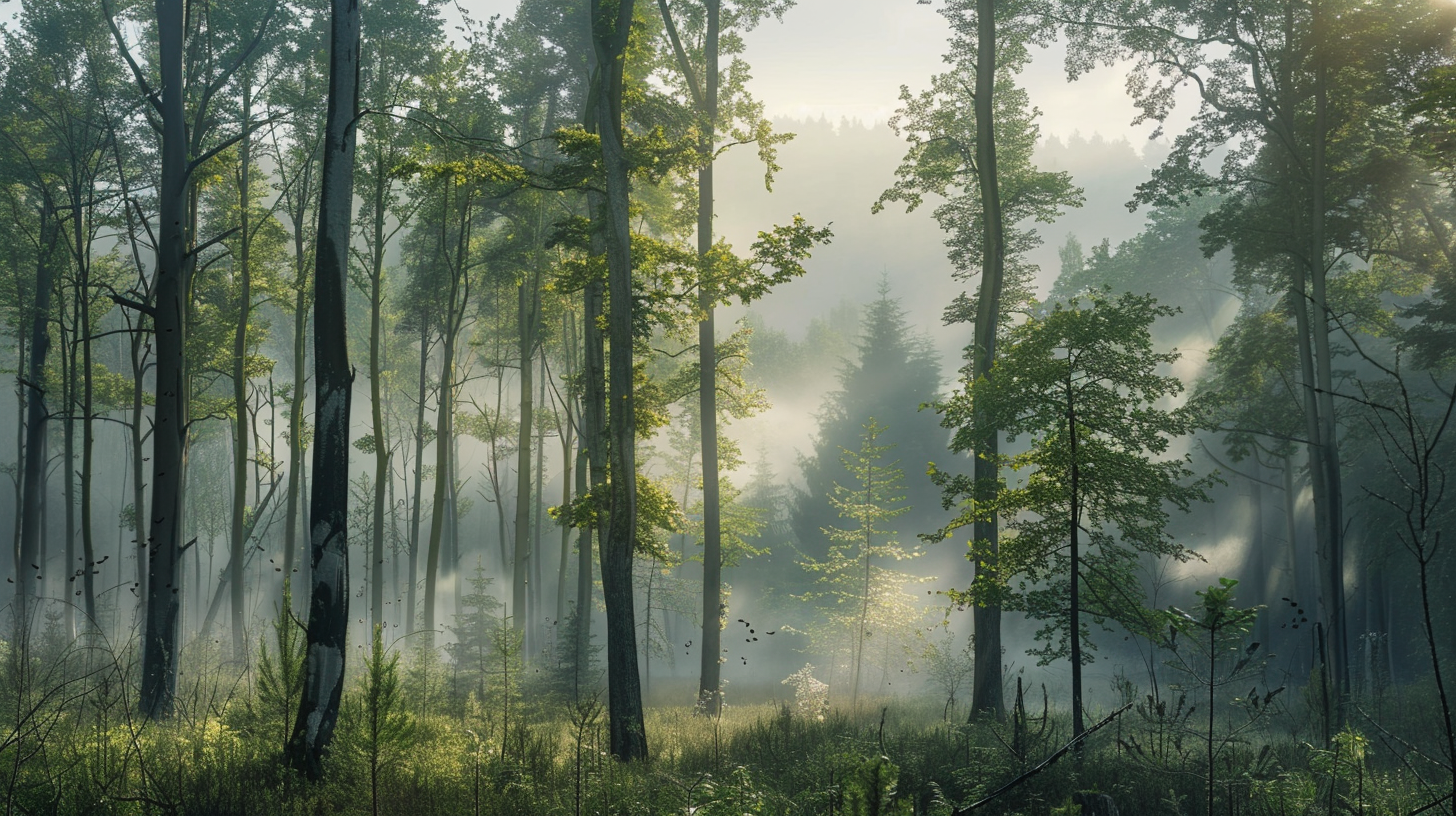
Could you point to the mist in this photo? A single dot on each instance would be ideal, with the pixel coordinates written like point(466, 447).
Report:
point(588, 407)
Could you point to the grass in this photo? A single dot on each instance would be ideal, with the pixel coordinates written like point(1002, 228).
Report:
point(75, 747)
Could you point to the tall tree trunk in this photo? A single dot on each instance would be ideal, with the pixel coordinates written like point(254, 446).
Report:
point(139, 349)
point(1074, 605)
point(538, 509)
point(1332, 543)
point(986, 681)
point(592, 458)
point(444, 432)
point(527, 301)
point(710, 691)
point(159, 648)
point(22, 390)
point(628, 738)
point(236, 541)
point(411, 607)
point(70, 572)
point(376, 396)
point(28, 571)
point(568, 443)
point(88, 426)
point(295, 409)
point(328, 615)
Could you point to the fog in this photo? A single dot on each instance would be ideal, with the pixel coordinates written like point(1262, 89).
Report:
point(1096, 377)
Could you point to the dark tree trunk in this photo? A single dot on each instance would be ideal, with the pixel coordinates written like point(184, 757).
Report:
point(292, 513)
point(328, 614)
point(236, 541)
point(28, 573)
point(376, 395)
point(1332, 552)
point(1074, 605)
point(568, 444)
point(710, 696)
point(443, 434)
point(527, 307)
point(70, 571)
point(628, 739)
point(169, 448)
point(537, 511)
point(986, 679)
point(411, 607)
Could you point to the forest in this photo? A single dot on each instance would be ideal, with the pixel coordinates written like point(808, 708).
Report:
point(504, 409)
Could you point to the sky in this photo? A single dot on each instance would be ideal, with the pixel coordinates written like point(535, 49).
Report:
point(848, 58)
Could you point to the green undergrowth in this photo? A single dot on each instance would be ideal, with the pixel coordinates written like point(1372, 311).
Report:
point(418, 736)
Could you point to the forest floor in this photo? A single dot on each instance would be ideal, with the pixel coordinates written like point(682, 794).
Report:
point(420, 736)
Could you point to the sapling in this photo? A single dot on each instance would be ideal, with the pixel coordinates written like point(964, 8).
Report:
point(385, 725)
point(280, 672)
point(1208, 645)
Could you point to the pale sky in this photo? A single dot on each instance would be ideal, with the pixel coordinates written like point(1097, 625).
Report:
point(848, 59)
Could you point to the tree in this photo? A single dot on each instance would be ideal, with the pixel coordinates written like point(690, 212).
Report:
point(185, 147)
point(56, 143)
point(398, 46)
point(1214, 656)
point(1082, 384)
point(982, 166)
point(894, 372)
point(611, 26)
point(867, 596)
point(1309, 88)
point(1409, 426)
point(706, 25)
point(328, 611)
point(297, 158)
point(385, 727)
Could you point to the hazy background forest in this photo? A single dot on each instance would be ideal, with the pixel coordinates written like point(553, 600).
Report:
point(1079, 411)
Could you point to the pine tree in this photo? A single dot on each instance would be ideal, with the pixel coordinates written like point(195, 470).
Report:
point(895, 372)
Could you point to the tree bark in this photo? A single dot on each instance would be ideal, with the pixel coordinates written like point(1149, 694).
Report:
point(710, 691)
point(169, 435)
point(240, 384)
point(88, 427)
point(1333, 549)
point(527, 306)
point(568, 444)
point(628, 738)
point(376, 395)
point(1074, 608)
point(69, 572)
point(328, 615)
point(986, 681)
point(411, 607)
point(22, 353)
point(28, 571)
point(444, 431)
point(295, 408)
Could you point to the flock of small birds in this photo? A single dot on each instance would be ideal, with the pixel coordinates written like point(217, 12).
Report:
point(751, 633)
point(1296, 618)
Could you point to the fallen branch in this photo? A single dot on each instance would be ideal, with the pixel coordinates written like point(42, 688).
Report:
point(1428, 806)
point(1044, 763)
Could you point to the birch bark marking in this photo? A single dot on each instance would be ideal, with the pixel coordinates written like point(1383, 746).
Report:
point(328, 614)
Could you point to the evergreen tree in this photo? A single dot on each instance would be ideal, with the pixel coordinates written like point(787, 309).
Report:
point(895, 373)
